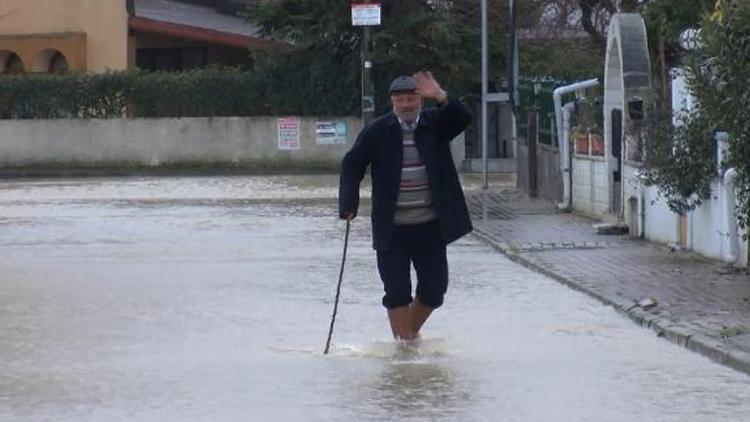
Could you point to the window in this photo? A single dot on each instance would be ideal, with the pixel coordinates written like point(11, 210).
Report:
point(170, 59)
point(58, 64)
point(13, 65)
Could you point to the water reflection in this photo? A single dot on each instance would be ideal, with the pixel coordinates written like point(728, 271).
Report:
point(194, 300)
point(419, 389)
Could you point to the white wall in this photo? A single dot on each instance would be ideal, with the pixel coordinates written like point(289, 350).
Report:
point(246, 141)
point(707, 231)
point(590, 193)
point(630, 193)
point(239, 141)
point(682, 100)
point(707, 225)
point(661, 225)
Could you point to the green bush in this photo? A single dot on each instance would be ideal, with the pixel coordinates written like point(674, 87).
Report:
point(720, 85)
point(681, 160)
point(68, 96)
point(208, 92)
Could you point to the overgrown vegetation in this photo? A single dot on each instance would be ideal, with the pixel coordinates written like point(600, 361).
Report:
point(414, 35)
point(681, 160)
point(319, 73)
point(568, 60)
point(720, 82)
point(443, 36)
point(665, 20)
point(199, 93)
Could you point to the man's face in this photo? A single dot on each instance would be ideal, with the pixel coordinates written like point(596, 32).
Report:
point(406, 105)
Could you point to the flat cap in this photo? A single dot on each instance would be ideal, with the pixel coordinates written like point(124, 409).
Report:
point(403, 83)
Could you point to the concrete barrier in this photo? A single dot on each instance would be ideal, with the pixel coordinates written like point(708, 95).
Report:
point(241, 142)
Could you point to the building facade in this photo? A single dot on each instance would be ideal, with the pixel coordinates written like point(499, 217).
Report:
point(56, 36)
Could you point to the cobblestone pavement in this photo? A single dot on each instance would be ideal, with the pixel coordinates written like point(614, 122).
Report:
point(696, 302)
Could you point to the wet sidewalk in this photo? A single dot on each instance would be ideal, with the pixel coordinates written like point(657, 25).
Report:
point(693, 301)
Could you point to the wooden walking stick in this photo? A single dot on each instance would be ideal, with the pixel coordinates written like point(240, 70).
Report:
point(338, 288)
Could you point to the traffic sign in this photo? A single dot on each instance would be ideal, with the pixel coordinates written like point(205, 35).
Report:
point(365, 14)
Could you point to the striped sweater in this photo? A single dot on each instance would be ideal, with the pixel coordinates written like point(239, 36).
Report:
point(414, 203)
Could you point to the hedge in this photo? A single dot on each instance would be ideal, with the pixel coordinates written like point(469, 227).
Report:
point(199, 93)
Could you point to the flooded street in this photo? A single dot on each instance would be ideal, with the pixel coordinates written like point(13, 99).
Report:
point(209, 299)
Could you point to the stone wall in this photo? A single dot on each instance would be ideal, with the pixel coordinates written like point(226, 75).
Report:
point(240, 142)
point(230, 141)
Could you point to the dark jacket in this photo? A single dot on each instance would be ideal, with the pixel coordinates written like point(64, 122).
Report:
point(380, 145)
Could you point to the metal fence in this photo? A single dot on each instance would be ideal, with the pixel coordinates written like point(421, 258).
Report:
point(537, 93)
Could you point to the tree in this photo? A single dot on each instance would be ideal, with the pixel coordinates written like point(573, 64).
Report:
point(684, 160)
point(679, 159)
point(414, 35)
point(665, 21)
point(440, 35)
point(590, 16)
point(719, 80)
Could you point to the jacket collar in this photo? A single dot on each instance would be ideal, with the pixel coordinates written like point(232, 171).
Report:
point(394, 121)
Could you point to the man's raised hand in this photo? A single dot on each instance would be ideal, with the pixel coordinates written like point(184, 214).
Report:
point(428, 87)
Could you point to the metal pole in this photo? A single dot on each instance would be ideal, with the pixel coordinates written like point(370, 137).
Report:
point(484, 93)
point(512, 57)
point(368, 99)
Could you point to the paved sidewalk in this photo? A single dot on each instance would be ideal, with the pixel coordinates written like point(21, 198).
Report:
point(699, 303)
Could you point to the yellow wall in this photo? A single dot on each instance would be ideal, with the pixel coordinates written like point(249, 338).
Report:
point(29, 24)
point(35, 51)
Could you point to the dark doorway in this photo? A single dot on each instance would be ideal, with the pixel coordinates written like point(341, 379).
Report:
point(58, 64)
point(499, 142)
point(170, 59)
point(616, 151)
point(13, 65)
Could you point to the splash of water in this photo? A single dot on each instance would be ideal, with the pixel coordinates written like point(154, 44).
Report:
point(394, 351)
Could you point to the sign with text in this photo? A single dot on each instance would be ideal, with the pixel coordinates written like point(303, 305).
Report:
point(330, 133)
point(289, 128)
point(365, 14)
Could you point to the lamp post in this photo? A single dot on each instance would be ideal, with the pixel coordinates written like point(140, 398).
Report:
point(683, 101)
point(690, 39)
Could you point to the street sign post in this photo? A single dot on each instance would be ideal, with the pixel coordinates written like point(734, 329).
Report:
point(485, 160)
point(366, 14)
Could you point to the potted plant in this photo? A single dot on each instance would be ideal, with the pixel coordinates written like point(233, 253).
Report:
point(597, 141)
point(580, 139)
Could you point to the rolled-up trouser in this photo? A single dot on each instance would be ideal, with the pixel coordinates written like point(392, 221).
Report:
point(423, 246)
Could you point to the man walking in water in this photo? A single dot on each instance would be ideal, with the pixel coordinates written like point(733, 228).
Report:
point(418, 206)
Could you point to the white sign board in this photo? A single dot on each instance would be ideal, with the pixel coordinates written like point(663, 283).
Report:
point(330, 133)
point(289, 128)
point(365, 14)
